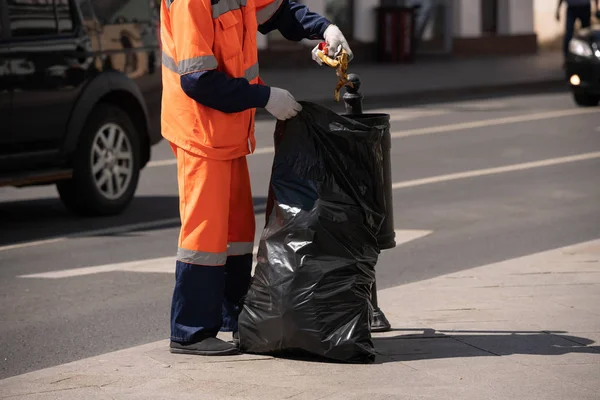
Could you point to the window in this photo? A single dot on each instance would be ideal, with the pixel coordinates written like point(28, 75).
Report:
point(110, 12)
point(31, 17)
point(85, 7)
point(64, 16)
point(39, 17)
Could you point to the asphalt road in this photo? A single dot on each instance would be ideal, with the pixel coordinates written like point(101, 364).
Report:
point(478, 181)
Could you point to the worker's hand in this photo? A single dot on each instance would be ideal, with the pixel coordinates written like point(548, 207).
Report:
point(282, 104)
point(336, 42)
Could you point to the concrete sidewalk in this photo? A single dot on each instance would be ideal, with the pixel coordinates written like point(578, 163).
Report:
point(526, 328)
point(426, 79)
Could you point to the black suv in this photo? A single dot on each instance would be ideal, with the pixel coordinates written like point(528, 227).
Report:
point(80, 93)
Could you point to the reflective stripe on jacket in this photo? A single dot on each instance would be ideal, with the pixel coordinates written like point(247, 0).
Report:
point(203, 35)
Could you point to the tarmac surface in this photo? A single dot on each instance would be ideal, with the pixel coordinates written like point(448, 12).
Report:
point(524, 328)
point(477, 183)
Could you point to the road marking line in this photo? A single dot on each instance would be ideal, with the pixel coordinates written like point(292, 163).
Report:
point(498, 170)
point(96, 232)
point(166, 265)
point(34, 243)
point(398, 115)
point(404, 236)
point(441, 129)
point(396, 185)
point(163, 264)
point(494, 122)
point(161, 163)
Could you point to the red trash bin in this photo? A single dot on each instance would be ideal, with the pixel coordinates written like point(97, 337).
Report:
point(396, 34)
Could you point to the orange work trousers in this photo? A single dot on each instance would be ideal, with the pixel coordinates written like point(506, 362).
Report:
point(216, 209)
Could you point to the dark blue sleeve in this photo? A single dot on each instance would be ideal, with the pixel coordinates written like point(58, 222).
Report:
point(216, 90)
point(296, 22)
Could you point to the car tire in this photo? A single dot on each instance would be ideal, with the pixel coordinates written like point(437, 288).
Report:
point(106, 164)
point(584, 99)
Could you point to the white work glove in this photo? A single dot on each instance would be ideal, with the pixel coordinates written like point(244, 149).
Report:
point(335, 43)
point(282, 104)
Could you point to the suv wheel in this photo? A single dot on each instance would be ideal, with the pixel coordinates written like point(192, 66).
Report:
point(106, 164)
point(585, 99)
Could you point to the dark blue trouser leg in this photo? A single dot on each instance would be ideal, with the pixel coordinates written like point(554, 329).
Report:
point(238, 271)
point(584, 13)
point(197, 301)
point(569, 29)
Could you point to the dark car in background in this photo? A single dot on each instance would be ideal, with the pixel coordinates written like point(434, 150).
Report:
point(583, 66)
point(80, 93)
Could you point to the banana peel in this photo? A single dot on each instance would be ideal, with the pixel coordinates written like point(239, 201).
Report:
point(340, 63)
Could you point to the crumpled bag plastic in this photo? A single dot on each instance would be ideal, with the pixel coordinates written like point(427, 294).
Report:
point(310, 294)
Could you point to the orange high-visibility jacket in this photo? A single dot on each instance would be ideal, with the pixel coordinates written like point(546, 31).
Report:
point(197, 35)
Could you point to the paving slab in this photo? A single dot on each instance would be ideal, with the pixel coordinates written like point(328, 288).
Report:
point(584, 375)
point(492, 332)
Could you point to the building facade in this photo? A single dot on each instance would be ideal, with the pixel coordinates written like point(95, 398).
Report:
point(451, 27)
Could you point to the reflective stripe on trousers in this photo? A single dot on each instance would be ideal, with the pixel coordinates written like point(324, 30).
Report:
point(214, 259)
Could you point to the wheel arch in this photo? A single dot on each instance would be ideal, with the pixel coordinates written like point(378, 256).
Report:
point(114, 88)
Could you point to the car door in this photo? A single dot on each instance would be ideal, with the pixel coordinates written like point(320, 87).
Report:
point(50, 59)
point(5, 93)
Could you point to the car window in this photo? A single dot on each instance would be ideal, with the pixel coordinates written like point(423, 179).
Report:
point(39, 17)
point(64, 15)
point(110, 12)
point(31, 18)
point(86, 9)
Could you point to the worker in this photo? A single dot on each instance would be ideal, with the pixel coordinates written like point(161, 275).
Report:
point(576, 10)
point(211, 89)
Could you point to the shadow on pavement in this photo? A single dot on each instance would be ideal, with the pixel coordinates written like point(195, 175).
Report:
point(39, 219)
point(432, 344)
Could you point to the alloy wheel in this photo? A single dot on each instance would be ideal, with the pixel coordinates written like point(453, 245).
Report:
point(111, 161)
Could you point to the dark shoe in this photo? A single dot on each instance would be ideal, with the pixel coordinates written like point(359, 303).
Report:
point(236, 339)
point(208, 347)
point(380, 322)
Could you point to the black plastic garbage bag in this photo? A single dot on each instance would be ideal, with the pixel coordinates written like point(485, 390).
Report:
point(311, 289)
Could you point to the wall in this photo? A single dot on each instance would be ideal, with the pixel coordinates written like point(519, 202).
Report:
point(365, 20)
point(546, 26)
point(467, 18)
point(515, 17)
point(514, 27)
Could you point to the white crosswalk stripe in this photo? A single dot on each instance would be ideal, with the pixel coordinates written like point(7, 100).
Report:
point(166, 265)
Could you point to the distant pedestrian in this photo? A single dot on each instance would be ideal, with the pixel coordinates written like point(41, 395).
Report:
point(576, 10)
